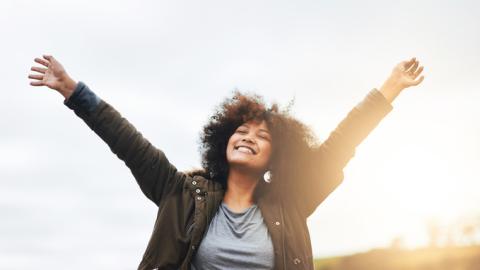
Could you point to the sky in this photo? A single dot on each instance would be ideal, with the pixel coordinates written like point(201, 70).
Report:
point(66, 199)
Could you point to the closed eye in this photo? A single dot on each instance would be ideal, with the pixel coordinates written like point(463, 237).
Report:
point(264, 134)
point(264, 137)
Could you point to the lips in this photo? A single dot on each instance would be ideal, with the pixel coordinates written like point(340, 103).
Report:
point(245, 149)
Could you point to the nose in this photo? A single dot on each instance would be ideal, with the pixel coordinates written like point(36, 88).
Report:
point(248, 140)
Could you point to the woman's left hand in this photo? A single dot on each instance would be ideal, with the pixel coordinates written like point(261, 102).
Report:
point(404, 74)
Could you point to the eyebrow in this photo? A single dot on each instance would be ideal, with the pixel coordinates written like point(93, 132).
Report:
point(247, 126)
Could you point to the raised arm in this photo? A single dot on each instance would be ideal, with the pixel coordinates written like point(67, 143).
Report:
point(324, 172)
point(149, 165)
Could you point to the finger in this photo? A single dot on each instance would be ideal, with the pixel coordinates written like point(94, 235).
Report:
point(39, 69)
point(35, 76)
point(419, 70)
point(417, 82)
point(42, 62)
point(409, 63)
point(36, 83)
point(413, 67)
point(50, 58)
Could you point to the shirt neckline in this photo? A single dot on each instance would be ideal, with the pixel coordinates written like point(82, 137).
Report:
point(241, 212)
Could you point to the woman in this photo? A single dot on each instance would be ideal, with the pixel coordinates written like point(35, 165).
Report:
point(263, 174)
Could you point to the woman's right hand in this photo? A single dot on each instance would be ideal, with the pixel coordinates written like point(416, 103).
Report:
point(404, 74)
point(52, 75)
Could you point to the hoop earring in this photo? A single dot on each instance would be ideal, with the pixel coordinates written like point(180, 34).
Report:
point(267, 176)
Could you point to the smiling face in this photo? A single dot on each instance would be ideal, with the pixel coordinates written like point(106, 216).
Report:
point(250, 146)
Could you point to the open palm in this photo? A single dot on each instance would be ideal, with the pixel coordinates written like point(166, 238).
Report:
point(53, 75)
point(406, 73)
point(50, 75)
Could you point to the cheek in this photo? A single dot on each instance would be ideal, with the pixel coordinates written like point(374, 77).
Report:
point(230, 144)
point(267, 149)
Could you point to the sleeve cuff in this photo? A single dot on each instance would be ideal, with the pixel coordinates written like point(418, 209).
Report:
point(376, 99)
point(82, 98)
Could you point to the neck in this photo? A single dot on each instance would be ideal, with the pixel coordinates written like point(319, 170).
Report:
point(240, 188)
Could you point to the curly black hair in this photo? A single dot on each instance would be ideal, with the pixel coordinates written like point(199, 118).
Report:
point(292, 140)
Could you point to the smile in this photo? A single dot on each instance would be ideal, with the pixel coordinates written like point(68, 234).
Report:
point(245, 149)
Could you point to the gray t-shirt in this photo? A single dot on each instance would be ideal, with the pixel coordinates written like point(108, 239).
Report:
point(235, 241)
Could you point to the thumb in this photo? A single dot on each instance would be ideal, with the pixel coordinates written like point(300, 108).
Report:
point(417, 82)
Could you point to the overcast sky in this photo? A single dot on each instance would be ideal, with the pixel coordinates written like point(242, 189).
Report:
point(66, 200)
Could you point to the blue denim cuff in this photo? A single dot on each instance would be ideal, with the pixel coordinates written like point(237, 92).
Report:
point(82, 98)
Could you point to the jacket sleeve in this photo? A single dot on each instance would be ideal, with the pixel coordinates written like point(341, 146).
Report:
point(324, 169)
point(149, 165)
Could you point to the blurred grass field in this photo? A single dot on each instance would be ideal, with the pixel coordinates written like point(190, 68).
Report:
point(444, 258)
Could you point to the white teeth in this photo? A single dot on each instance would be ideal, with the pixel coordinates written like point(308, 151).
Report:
point(244, 150)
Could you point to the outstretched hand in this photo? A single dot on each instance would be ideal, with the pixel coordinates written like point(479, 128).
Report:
point(404, 74)
point(53, 75)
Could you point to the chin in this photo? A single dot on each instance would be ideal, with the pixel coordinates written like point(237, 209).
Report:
point(244, 164)
point(245, 161)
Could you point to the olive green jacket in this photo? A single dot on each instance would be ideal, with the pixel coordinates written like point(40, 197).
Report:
point(186, 204)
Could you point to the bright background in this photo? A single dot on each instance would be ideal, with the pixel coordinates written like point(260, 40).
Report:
point(67, 201)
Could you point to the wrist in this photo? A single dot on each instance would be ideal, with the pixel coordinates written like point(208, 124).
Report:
point(390, 90)
point(68, 87)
